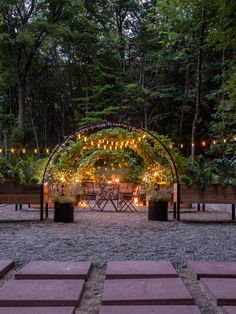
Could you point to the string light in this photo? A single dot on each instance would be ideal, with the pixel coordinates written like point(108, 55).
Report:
point(12, 150)
point(170, 146)
point(225, 141)
point(35, 151)
point(0, 150)
point(235, 138)
point(181, 145)
point(23, 150)
point(47, 150)
point(203, 143)
point(214, 142)
point(193, 145)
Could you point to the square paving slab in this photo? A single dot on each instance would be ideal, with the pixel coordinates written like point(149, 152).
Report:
point(41, 293)
point(37, 310)
point(54, 270)
point(212, 269)
point(223, 290)
point(149, 309)
point(153, 291)
point(229, 309)
point(140, 269)
point(5, 266)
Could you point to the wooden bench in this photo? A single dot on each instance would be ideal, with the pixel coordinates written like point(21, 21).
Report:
point(25, 194)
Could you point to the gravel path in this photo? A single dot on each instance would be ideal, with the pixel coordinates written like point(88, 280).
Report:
point(103, 236)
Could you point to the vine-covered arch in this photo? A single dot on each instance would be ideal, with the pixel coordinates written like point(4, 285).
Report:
point(74, 139)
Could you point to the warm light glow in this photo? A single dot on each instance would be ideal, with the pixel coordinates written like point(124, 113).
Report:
point(214, 142)
point(203, 143)
point(171, 146)
point(62, 178)
point(23, 151)
point(35, 151)
point(85, 139)
point(47, 151)
point(109, 182)
point(0, 150)
point(92, 143)
point(98, 145)
point(139, 139)
point(78, 136)
point(235, 138)
point(117, 180)
point(225, 141)
point(12, 150)
point(81, 203)
point(193, 145)
point(181, 146)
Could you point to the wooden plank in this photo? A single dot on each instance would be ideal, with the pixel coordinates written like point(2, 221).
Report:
point(212, 194)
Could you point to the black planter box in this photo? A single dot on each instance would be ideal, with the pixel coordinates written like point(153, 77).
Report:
point(63, 212)
point(158, 211)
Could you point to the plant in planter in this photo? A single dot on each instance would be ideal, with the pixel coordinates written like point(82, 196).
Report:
point(158, 206)
point(63, 209)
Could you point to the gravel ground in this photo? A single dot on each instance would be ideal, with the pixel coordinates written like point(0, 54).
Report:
point(103, 236)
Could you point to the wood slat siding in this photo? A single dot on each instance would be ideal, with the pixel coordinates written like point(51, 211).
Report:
point(212, 194)
point(22, 193)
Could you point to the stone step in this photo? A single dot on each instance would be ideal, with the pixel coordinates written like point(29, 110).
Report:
point(151, 291)
point(5, 266)
point(37, 310)
point(229, 309)
point(212, 269)
point(41, 293)
point(150, 309)
point(223, 290)
point(140, 269)
point(54, 270)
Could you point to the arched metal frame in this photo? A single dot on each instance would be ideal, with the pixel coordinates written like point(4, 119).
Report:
point(108, 125)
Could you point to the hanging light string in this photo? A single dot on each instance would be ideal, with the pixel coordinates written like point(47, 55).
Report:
point(112, 143)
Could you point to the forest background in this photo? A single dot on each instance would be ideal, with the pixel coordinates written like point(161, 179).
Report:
point(167, 66)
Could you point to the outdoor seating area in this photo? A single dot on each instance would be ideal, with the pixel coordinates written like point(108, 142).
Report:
point(142, 287)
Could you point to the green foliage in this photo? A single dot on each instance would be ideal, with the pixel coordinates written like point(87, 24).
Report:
point(197, 172)
point(159, 197)
point(225, 171)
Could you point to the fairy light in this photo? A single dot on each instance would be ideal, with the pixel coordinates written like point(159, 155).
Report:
point(78, 136)
point(110, 147)
point(214, 142)
point(23, 150)
point(99, 145)
point(92, 143)
point(171, 146)
point(12, 150)
point(47, 150)
point(105, 146)
point(193, 145)
point(35, 151)
point(203, 143)
point(85, 139)
point(0, 150)
point(224, 141)
point(139, 139)
point(235, 138)
point(181, 145)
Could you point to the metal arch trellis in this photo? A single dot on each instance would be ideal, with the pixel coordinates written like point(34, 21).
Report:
point(106, 125)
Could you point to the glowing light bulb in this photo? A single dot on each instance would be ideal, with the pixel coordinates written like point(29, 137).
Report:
point(193, 145)
point(214, 142)
point(23, 151)
point(203, 143)
point(47, 151)
point(225, 141)
point(0, 150)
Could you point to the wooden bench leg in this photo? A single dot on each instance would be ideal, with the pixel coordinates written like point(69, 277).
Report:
point(233, 211)
point(199, 207)
point(16, 207)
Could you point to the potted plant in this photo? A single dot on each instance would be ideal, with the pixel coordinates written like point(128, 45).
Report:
point(63, 209)
point(158, 206)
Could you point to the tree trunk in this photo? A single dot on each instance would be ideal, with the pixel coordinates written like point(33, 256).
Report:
point(198, 80)
point(21, 103)
point(184, 102)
